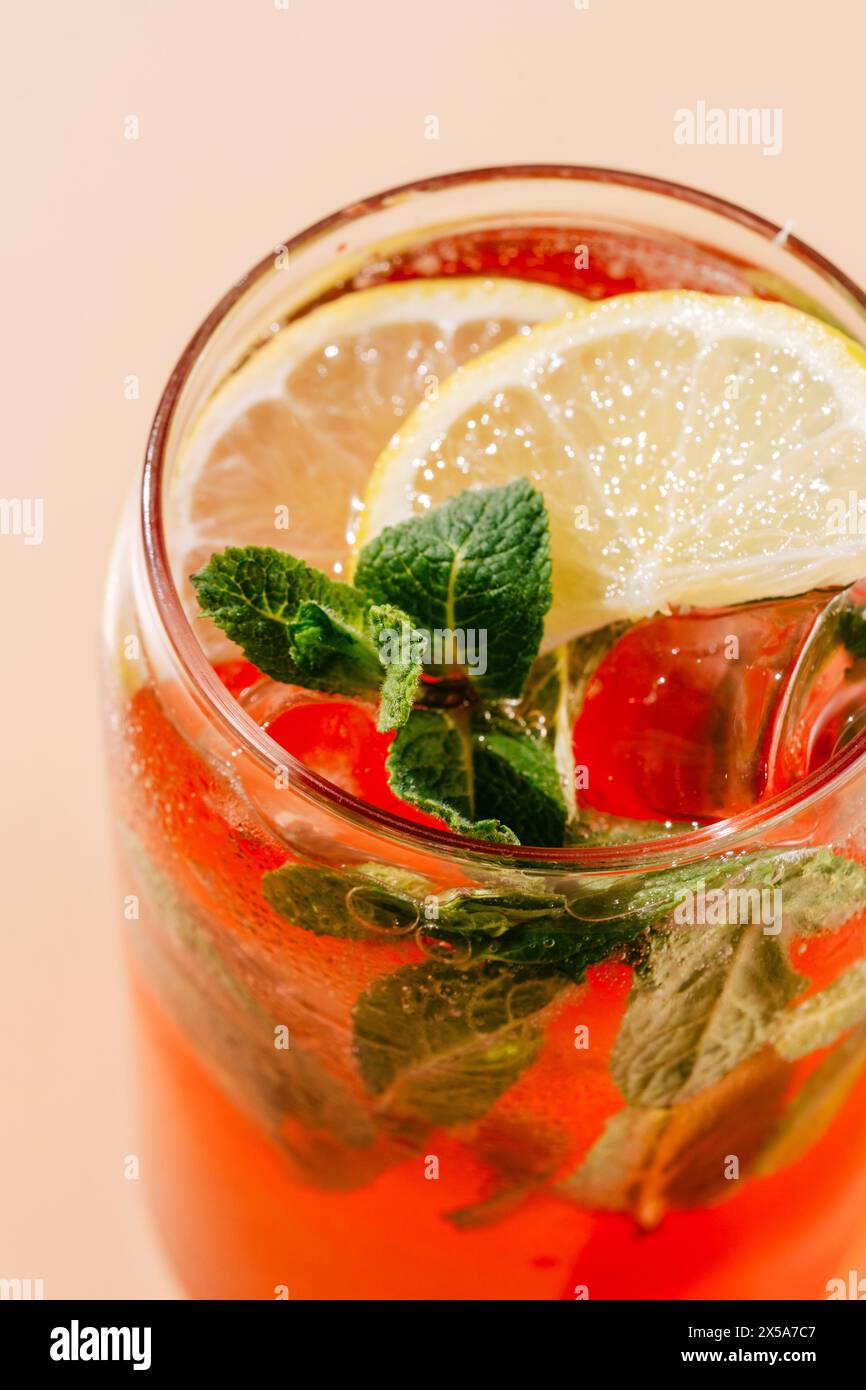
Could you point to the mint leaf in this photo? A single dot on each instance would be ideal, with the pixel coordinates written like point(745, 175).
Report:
point(821, 890)
point(430, 765)
point(649, 1159)
point(556, 943)
point(254, 594)
point(515, 777)
point(439, 1045)
point(355, 904)
point(823, 1017)
point(530, 928)
point(302, 628)
point(478, 564)
point(376, 903)
point(709, 992)
point(473, 771)
point(388, 628)
point(702, 1002)
point(493, 911)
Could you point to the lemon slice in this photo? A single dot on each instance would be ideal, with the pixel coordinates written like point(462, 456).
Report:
point(692, 449)
point(281, 453)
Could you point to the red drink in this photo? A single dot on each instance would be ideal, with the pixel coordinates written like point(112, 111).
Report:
point(286, 1159)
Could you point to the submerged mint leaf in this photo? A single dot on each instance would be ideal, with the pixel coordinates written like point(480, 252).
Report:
point(301, 627)
point(525, 928)
point(817, 890)
point(372, 900)
point(703, 1002)
point(438, 1044)
point(823, 1017)
point(557, 942)
point(494, 911)
point(715, 980)
point(473, 771)
point(820, 890)
point(602, 828)
point(649, 1159)
point(478, 566)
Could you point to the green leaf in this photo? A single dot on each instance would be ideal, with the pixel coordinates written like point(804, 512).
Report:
point(515, 778)
point(558, 943)
point(703, 1001)
point(649, 1159)
point(823, 1017)
point(708, 995)
point(430, 765)
point(820, 890)
point(371, 901)
point(600, 828)
point(473, 771)
point(300, 627)
point(255, 593)
point(529, 928)
point(493, 911)
point(478, 564)
point(439, 1045)
point(393, 637)
point(376, 902)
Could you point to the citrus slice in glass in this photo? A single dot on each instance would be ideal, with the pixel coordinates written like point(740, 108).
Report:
point(282, 451)
point(693, 450)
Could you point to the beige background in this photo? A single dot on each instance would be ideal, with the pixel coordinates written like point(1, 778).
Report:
point(256, 118)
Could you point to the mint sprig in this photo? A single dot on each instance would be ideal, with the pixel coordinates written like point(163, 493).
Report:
point(472, 769)
point(479, 564)
point(303, 628)
point(460, 594)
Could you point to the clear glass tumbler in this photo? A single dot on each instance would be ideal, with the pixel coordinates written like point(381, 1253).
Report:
point(339, 1100)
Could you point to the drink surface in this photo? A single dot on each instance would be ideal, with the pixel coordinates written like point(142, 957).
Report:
point(319, 1168)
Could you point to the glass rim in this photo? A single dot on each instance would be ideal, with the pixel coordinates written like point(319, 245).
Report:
point(715, 837)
